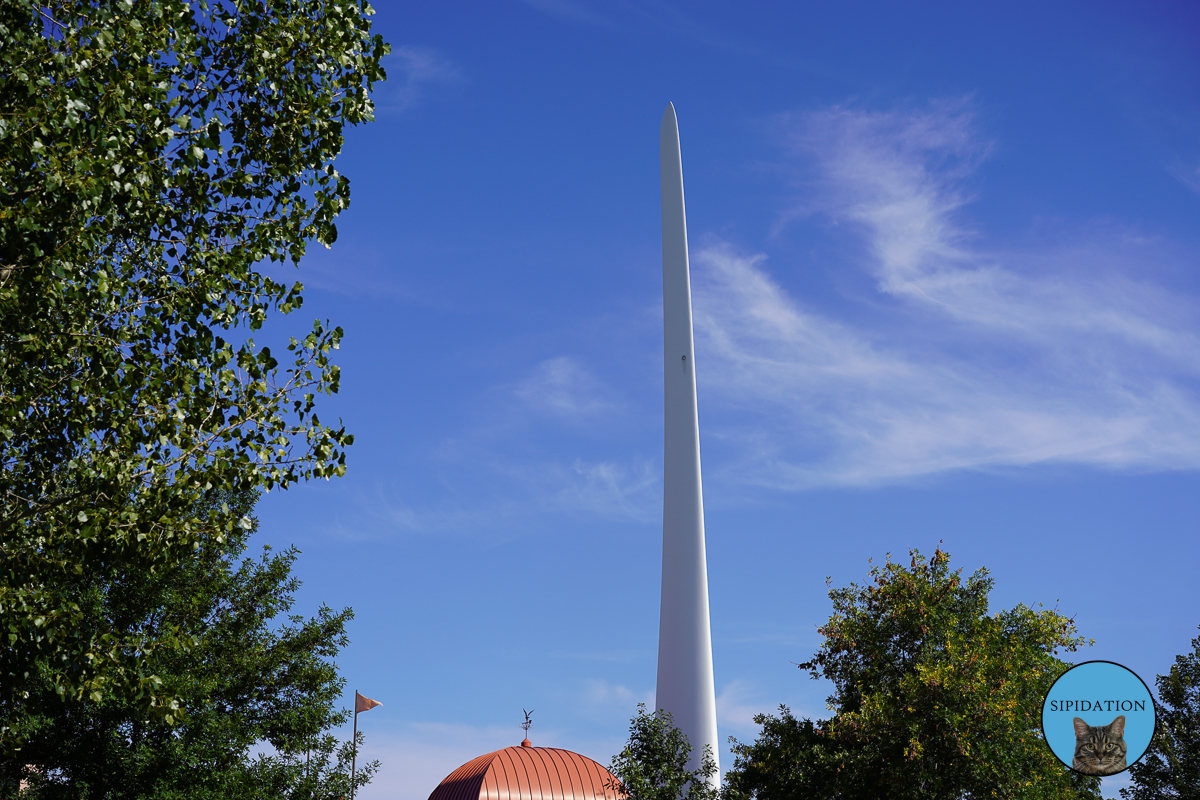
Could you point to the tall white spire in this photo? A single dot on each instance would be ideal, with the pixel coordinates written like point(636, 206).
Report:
point(685, 668)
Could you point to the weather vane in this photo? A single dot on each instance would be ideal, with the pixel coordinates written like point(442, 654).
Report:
point(528, 723)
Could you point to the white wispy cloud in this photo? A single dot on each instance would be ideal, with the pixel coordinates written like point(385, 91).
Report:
point(416, 755)
point(609, 489)
point(736, 706)
point(599, 655)
point(971, 357)
point(535, 450)
point(1188, 175)
point(563, 400)
point(534, 490)
point(615, 697)
point(353, 271)
point(896, 176)
point(415, 758)
point(412, 70)
point(570, 11)
point(565, 388)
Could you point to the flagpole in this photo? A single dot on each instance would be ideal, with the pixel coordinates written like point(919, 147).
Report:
point(354, 742)
point(360, 704)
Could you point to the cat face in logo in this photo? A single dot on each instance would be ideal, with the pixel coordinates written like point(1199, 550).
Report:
point(1099, 750)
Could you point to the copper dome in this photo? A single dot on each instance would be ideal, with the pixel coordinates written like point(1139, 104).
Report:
point(528, 773)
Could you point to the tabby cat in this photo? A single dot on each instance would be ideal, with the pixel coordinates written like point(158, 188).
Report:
point(1099, 750)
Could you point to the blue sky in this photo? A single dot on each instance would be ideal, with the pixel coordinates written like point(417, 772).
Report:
point(946, 265)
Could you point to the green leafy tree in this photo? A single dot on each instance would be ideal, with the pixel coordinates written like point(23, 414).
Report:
point(1170, 769)
point(153, 153)
point(653, 765)
point(791, 758)
point(933, 696)
point(255, 676)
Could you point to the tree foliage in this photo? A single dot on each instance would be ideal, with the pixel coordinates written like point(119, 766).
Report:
point(254, 676)
point(791, 758)
point(653, 765)
point(152, 154)
point(933, 696)
point(1170, 769)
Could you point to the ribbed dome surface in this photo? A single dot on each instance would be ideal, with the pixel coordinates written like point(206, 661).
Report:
point(528, 773)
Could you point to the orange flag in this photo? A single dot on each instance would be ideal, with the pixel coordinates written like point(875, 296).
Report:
point(364, 703)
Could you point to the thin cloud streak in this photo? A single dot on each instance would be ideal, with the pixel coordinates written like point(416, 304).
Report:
point(976, 359)
point(737, 704)
point(412, 71)
point(504, 450)
point(628, 17)
point(413, 762)
point(1189, 176)
point(565, 388)
point(624, 493)
point(896, 176)
point(570, 11)
point(615, 699)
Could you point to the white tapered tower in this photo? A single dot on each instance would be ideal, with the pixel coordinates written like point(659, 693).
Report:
point(685, 667)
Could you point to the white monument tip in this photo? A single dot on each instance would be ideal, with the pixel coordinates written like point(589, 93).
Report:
point(670, 123)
